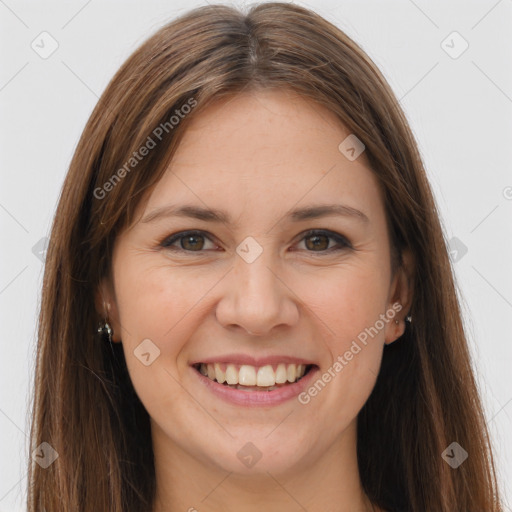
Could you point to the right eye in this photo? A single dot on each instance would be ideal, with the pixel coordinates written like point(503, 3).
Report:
point(189, 241)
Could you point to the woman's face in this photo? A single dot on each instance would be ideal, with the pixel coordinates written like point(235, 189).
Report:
point(256, 293)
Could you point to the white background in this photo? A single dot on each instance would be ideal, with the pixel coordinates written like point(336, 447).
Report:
point(460, 111)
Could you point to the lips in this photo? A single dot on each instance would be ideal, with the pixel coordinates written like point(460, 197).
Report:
point(255, 396)
point(240, 359)
point(246, 380)
point(248, 376)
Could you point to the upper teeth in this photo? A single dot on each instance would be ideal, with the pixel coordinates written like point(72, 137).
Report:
point(248, 375)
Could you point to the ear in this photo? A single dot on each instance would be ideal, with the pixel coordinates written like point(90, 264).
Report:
point(106, 307)
point(401, 292)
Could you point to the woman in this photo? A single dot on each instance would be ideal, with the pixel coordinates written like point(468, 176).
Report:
point(248, 218)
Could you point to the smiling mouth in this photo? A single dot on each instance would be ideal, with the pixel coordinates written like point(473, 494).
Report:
point(252, 378)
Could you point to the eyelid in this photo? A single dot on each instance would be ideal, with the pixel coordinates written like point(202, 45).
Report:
point(175, 237)
point(342, 241)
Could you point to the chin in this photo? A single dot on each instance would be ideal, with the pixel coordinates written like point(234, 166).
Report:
point(248, 455)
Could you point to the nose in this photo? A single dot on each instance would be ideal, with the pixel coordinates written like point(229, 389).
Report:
point(256, 298)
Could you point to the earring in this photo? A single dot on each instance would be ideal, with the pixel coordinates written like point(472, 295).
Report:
point(105, 329)
point(408, 318)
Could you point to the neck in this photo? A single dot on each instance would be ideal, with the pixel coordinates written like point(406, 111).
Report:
point(328, 482)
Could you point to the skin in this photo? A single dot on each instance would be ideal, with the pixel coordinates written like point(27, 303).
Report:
point(257, 155)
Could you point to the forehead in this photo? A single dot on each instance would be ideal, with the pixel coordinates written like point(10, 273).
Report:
point(271, 126)
point(265, 151)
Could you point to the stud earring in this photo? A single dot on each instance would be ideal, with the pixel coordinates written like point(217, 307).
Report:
point(408, 319)
point(104, 329)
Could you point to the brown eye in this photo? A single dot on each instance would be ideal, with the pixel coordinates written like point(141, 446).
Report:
point(189, 241)
point(192, 242)
point(318, 241)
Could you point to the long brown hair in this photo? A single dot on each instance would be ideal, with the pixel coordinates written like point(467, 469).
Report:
point(85, 406)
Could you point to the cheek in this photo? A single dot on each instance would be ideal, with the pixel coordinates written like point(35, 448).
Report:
point(153, 301)
point(348, 316)
point(348, 302)
point(158, 317)
point(151, 304)
point(165, 305)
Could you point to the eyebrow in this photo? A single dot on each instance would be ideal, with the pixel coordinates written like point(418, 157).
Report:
point(221, 216)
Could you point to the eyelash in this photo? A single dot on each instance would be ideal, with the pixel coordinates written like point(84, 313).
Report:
point(343, 242)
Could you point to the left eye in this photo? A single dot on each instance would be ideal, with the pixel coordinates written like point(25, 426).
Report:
point(193, 241)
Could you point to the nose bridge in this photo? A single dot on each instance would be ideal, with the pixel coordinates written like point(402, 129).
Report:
point(255, 273)
point(256, 299)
